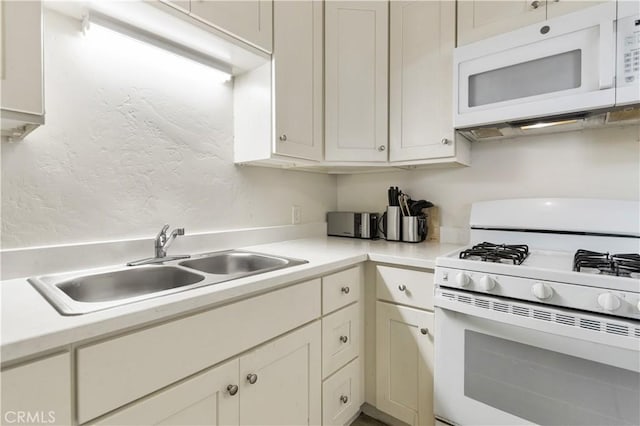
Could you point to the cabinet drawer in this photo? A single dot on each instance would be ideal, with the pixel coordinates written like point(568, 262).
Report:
point(340, 338)
point(405, 286)
point(115, 372)
point(340, 289)
point(342, 395)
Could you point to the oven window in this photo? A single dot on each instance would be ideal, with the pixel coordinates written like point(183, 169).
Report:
point(545, 75)
point(546, 387)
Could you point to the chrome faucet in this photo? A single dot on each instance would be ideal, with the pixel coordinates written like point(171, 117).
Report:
point(162, 243)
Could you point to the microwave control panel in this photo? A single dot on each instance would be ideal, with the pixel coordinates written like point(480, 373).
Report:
point(628, 67)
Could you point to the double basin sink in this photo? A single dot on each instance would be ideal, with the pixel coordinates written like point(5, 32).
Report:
point(74, 294)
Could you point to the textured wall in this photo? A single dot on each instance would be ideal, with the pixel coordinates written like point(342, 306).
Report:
point(135, 137)
point(603, 163)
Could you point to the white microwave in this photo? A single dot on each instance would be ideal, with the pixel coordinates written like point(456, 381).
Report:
point(584, 61)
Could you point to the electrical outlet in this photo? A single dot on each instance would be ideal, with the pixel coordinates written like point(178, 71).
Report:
point(296, 214)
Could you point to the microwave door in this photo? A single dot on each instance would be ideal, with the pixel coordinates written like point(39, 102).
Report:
point(561, 66)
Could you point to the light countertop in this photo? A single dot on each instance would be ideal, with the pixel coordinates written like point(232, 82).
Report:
point(30, 325)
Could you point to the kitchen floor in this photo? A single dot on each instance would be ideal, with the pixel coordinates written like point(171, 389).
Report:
point(364, 420)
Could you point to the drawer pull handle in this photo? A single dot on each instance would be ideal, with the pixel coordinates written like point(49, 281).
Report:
point(345, 290)
point(424, 331)
point(232, 389)
point(344, 339)
point(344, 399)
point(252, 378)
point(402, 287)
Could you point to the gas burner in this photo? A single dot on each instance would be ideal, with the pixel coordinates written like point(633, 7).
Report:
point(625, 264)
point(489, 252)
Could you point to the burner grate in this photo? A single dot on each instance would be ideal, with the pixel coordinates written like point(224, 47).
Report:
point(624, 264)
point(489, 252)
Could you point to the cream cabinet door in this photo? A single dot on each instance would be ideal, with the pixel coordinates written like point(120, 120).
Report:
point(562, 7)
point(422, 37)
point(21, 67)
point(356, 62)
point(38, 392)
point(479, 19)
point(404, 363)
point(297, 61)
point(210, 398)
point(248, 20)
point(280, 382)
point(183, 5)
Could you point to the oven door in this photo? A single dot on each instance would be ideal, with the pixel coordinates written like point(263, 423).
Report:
point(504, 363)
point(560, 66)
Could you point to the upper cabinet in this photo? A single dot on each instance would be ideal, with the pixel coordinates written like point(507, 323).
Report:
point(422, 38)
point(562, 7)
point(480, 19)
point(278, 106)
point(356, 61)
point(250, 21)
point(297, 64)
point(21, 67)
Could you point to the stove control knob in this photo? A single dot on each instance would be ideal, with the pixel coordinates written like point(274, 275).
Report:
point(487, 283)
point(542, 291)
point(462, 279)
point(609, 301)
point(638, 306)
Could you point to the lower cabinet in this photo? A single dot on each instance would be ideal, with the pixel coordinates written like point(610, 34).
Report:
point(277, 383)
point(210, 398)
point(38, 392)
point(342, 395)
point(404, 363)
point(280, 382)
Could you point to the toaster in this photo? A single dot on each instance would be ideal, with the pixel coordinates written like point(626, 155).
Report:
point(352, 224)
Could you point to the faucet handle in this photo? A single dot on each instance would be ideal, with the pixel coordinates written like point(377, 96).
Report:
point(163, 231)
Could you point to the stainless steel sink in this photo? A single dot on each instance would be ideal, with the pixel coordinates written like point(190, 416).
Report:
point(127, 283)
point(238, 262)
point(84, 292)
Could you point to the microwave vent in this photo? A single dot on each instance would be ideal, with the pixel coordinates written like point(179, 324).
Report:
point(626, 114)
point(487, 132)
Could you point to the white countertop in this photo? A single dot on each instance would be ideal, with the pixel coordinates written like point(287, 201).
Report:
point(30, 325)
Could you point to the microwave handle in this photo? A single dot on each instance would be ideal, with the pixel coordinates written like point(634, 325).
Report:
point(607, 61)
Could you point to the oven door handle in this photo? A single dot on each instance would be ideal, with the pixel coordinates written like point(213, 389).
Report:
point(560, 322)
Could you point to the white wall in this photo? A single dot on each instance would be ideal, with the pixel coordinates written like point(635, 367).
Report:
point(603, 163)
point(136, 137)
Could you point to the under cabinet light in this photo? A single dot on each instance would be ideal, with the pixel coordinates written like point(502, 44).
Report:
point(542, 125)
point(148, 37)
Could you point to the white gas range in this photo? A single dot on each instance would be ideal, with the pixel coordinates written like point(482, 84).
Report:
point(538, 321)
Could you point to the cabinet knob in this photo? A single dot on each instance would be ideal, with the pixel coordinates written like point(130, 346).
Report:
point(344, 399)
point(536, 4)
point(424, 331)
point(445, 141)
point(382, 148)
point(402, 287)
point(232, 389)
point(345, 290)
point(344, 339)
point(283, 137)
point(252, 378)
